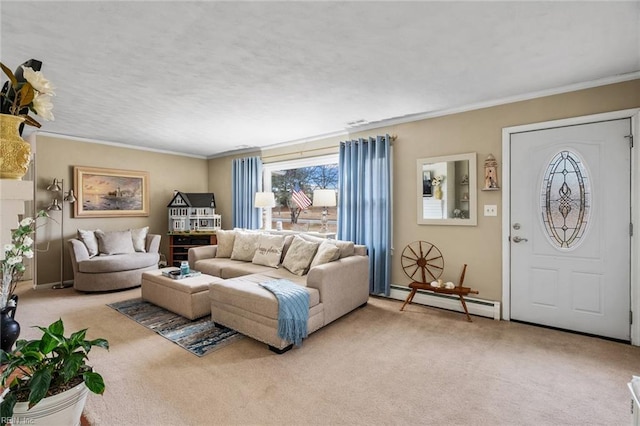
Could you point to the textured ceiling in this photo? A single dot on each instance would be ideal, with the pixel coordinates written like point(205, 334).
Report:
point(203, 78)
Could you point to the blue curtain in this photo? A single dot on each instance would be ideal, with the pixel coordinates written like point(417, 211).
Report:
point(364, 210)
point(246, 180)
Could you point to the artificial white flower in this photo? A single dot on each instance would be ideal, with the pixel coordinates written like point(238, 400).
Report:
point(38, 81)
point(26, 221)
point(27, 241)
point(14, 260)
point(42, 106)
point(9, 247)
point(28, 253)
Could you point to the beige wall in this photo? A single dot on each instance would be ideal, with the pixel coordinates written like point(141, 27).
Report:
point(475, 131)
point(55, 157)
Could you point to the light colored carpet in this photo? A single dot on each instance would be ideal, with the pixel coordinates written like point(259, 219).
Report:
point(374, 366)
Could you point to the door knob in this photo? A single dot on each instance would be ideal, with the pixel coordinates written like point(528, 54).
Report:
point(517, 239)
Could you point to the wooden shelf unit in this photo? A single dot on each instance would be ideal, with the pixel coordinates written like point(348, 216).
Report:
point(181, 242)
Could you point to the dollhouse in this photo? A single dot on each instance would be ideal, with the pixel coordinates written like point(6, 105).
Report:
point(193, 212)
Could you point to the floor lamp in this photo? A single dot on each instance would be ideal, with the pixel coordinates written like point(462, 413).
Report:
point(324, 198)
point(264, 200)
point(58, 205)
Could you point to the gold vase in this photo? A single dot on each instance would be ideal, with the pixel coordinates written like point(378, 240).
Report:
point(437, 194)
point(15, 153)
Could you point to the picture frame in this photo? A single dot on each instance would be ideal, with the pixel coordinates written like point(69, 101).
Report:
point(103, 192)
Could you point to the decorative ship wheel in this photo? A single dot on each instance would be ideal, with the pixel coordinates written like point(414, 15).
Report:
point(422, 262)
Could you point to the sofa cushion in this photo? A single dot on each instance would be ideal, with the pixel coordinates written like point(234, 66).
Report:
point(327, 252)
point(90, 241)
point(244, 246)
point(214, 266)
point(247, 294)
point(225, 242)
point(241, 269)
point(282, 273)
point(300, 255)
point(116, 242)
point(139, 238)
point(269, 250)
point(118, 263)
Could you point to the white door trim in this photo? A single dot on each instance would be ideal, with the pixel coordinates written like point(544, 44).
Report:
point(634, 114)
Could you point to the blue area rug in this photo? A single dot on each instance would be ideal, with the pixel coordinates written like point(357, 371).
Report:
point(199, 337)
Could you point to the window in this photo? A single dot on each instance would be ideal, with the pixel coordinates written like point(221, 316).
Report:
point(565, 200)
point(303, 177)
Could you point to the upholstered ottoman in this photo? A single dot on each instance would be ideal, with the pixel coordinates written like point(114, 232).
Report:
point(243, 305)
point(188, 297)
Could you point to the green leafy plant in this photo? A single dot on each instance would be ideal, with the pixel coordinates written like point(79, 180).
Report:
point(48, 366)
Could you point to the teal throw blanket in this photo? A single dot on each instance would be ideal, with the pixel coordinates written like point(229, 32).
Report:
point(293, 309)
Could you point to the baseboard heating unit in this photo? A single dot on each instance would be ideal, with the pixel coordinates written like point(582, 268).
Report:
point(480, 307)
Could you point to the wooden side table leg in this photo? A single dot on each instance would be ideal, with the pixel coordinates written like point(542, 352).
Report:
point(464, 306)
point(409, 298)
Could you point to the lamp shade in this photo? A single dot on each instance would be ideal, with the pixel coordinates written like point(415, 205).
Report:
point(55, 185)
point(324, 198)
point(265, 199)
point(54, 205)
point(70, 197)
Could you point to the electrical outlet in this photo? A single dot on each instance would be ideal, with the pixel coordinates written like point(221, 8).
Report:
point(490, 210)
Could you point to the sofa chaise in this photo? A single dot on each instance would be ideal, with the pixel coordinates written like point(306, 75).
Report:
point(335, 274)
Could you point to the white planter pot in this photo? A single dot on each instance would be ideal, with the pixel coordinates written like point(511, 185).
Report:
point(64, 409)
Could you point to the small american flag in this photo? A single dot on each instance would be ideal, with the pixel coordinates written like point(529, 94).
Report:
point(300, 198)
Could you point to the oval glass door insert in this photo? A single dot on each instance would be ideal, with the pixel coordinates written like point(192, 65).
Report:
point(565, 200)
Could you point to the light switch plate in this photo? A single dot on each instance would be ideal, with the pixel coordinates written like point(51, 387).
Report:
point(490, 210)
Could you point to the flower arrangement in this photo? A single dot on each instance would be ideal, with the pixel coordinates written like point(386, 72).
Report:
point(436, 181)
point(14, 254)
point(27, 90)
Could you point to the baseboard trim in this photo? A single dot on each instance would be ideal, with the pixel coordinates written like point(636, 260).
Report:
point(480, 307)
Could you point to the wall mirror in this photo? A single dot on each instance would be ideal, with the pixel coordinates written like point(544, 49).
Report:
point(446, 190)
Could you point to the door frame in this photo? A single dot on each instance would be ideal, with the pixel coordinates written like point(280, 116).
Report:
point(634, 115)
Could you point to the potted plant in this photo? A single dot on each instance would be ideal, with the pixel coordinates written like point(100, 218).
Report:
point(49, 377)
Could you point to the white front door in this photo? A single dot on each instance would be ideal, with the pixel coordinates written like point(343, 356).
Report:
point(570, 227)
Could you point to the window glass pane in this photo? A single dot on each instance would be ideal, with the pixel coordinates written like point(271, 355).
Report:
point(565, 200)
point(293, 188)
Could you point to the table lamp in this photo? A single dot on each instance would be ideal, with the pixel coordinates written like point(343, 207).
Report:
point(324, 198)
point(264, 200)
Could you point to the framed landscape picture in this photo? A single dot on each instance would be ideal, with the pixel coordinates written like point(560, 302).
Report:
point(110, 192)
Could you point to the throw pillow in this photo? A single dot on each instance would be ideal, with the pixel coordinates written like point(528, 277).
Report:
point(287, 243)
point(244, 246)
point(225, 242)
point(89, 240)
point(117, 242)
point(269, 250)
point(327, 252)
point(139, 238)
point(299, 256)
point(347, 248)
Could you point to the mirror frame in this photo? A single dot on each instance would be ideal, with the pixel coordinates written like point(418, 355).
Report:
point(473, 189)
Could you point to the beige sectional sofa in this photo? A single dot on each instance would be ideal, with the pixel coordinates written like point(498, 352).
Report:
point(104, 261)
point(336, 277)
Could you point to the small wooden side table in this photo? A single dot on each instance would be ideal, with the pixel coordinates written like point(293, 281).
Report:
point(458, 291)
point(423, 261)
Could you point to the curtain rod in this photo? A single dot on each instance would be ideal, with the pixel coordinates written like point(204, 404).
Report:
point(392, 137)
